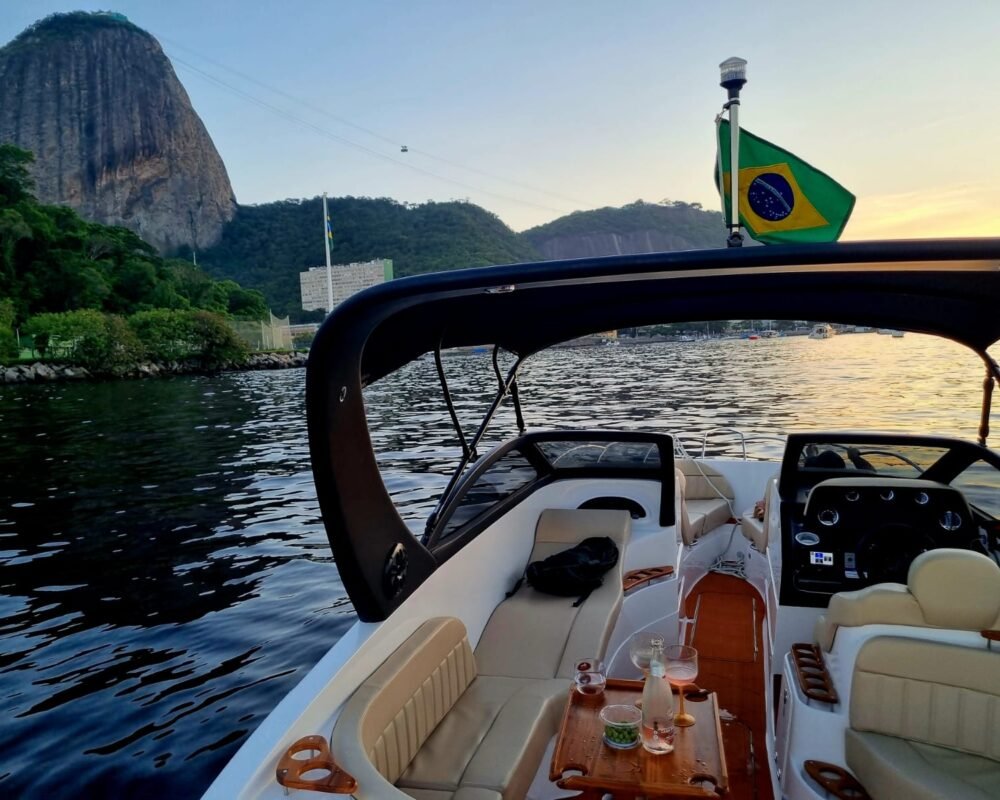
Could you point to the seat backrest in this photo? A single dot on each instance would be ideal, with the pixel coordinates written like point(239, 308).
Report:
point(698, 481)
point(946, 588)
point(931, 692)
point(390, 716)
point(703, 482)
point(560, 528)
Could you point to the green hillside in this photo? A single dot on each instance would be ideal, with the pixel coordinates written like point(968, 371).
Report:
point(633, 228)
point(266, 246)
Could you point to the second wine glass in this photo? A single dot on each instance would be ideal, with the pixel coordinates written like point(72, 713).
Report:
point(640, 648)
point(682, 669)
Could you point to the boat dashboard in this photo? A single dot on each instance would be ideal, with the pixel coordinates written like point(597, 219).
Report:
point(856, 509)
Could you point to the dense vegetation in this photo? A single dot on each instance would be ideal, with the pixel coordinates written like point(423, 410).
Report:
point(687, 221)
point(266, 246)
point(61, 27)
point(63, 278)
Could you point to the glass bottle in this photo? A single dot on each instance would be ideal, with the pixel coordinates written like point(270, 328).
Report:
point(657, 704)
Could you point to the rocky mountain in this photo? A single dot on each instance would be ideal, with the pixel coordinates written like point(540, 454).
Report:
point(112, 129)
point(635, 228)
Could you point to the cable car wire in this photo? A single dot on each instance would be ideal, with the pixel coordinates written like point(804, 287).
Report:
point(403, 148)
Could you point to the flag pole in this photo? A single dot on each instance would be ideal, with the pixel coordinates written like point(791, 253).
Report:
point(329, 270)
point(734, 78)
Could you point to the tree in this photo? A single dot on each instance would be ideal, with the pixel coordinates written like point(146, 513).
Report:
point(53, 261)
point(216, 342)
point(15, 179)
point(103, 343)
point(8, 340)
point(244, 303)
point(165, 334)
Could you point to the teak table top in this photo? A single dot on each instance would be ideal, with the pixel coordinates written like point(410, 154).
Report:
point(696, 768)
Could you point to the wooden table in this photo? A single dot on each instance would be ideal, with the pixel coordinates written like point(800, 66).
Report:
point(696, 768)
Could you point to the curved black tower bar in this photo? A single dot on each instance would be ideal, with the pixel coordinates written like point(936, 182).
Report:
point(945, 288)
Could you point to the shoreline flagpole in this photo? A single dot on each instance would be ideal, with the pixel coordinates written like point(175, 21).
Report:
point(734, 78)
point(327, 233)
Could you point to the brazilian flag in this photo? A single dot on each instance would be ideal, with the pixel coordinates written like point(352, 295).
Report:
point(783, 199)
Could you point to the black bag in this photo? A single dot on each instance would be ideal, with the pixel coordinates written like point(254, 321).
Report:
point(575, 572)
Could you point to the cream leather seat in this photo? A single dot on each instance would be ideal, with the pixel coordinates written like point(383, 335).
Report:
point(757, 530)
point(925, 721)
point(425, 725)
point(955, 589)
point(706, 498)
point(536, 635)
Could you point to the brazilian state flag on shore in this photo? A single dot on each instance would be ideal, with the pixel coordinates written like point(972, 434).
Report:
point(783, 199)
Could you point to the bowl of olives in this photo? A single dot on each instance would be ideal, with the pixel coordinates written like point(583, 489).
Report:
point(621, 726)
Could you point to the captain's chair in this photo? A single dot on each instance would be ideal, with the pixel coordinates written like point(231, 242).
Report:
point(945, 588)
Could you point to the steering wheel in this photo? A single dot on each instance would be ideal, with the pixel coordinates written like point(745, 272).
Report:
point(884, 554)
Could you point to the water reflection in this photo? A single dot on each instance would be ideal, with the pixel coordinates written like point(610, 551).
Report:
point(868, 382)
point(157, 537)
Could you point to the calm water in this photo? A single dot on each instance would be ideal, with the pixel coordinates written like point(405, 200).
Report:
point(165, 578)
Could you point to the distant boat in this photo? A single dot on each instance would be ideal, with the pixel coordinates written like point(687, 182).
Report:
point(769, 334)
point(822, 331)
point(753, 337)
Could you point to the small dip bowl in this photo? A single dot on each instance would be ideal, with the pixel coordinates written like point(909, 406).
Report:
point(621, 726)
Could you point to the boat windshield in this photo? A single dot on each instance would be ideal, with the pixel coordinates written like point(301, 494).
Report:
point(606, 454)
point(900, 461)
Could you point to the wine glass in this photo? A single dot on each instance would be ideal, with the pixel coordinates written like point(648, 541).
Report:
point(590, 677)
point(682, 669)
point(640, 649)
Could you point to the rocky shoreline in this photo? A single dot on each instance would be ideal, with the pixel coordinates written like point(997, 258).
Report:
point(40, 372)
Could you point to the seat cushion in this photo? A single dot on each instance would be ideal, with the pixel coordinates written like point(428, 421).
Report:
point(883, 603)
point(753, 530)
point(510, 754)
point(536, 635)
point(940, 694)
point(956, 588)
point(492, 739)
point(390, 716)
point(442, 760)
point(706, 497)
point(890, 768)
point(710, 514)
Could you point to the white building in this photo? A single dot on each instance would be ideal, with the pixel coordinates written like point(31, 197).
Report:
point(348, 279)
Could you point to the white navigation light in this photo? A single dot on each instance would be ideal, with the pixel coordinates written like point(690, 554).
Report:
point(733, 72)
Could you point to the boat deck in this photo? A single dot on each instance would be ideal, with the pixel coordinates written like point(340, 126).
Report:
point(728, 631)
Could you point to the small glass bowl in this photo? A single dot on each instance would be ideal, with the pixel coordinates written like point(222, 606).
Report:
point(621, 726)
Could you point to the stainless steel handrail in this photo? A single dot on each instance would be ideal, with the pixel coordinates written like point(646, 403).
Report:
point(773, 437)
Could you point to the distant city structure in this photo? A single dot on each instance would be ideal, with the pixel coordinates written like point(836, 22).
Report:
point(348, 279)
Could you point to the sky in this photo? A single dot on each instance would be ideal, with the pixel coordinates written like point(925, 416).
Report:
point(536, 108)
